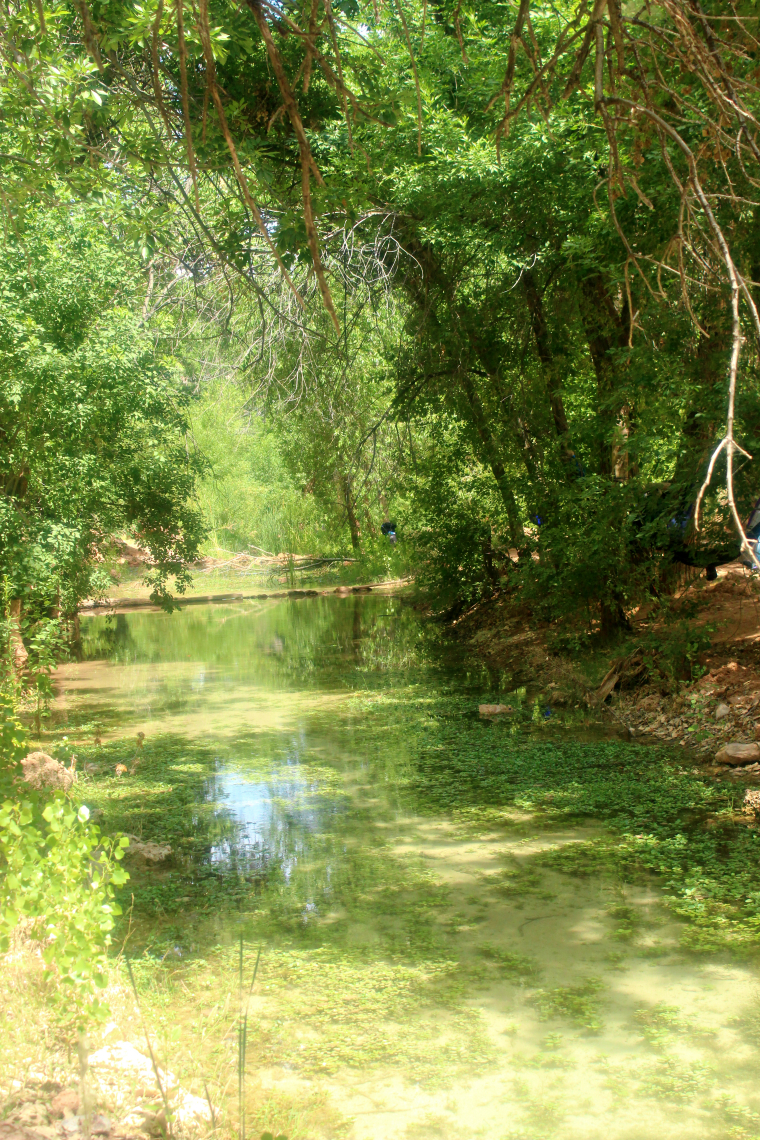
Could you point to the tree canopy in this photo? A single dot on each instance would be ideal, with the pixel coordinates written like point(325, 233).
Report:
point(93, 416)
point(516, 240)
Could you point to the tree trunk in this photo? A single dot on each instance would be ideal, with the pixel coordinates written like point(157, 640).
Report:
point(488, 560)
point(606, 333)
point(491, 453)
point(368, 522)
point(612, 620)
point(19, 654)
point(546, 356)
point(353, 522)
point(518, 426)
point(74, 627)
point(620, 457)
point(705, 409)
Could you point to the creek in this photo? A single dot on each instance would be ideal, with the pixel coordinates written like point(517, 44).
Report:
point(450, 946)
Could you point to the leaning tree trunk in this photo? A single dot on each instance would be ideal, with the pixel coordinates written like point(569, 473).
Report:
point(607, 337)
point(551, 374)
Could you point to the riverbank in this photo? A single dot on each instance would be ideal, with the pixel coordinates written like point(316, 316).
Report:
point(226, 575)
point(691, 680)
point(123, 604)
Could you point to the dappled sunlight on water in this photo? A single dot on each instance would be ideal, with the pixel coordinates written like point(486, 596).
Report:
point(425, 973)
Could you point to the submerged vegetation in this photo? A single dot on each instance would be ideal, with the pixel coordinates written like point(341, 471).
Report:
point(658, 816)
point(337, 834)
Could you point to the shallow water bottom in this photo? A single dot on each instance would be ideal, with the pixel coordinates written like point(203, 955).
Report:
point(422, 974)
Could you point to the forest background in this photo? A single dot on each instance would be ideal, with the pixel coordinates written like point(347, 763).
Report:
point(277, 273)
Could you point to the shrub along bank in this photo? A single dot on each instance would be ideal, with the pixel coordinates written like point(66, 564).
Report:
point(57, 879)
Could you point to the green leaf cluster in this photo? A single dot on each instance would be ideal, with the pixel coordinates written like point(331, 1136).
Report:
point(57, 876)
point(57, 881)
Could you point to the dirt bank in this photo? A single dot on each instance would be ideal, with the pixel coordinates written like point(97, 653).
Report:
point(714, 701)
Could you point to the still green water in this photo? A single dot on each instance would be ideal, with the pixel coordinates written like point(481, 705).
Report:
point(445, 952)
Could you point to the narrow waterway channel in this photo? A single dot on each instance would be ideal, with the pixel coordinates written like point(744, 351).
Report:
point(439, 958)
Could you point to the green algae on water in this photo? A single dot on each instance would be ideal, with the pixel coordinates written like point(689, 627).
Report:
point(462, 922)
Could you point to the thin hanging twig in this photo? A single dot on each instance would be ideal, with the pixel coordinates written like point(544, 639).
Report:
point(208, 52)
point(186, 100)
point(307, 161)
point(90, 39)
point(309, 50)
point(41, 14)
point(413, 62)
point(154, 61)
point(585, 48)
point(339, 64)
point(738, 288)
point(282, 16)
point(458, 31)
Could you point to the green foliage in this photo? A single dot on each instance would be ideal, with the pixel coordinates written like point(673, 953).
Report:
point(57, 881)
point(332, 436)
point(579, 1004)
point(451, 512)
point(13, 743)
point(672, 653)
point(585, 551)
point(56, 890)
point(509, 965)
point(505, 341)
point(247, 496)
point(93, 421)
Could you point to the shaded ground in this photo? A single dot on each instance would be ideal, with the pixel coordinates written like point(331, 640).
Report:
point(677, 705)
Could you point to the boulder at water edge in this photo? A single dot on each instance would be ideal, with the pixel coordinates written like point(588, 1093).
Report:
point(42, 771)
point(149, 851)
point(738, 754)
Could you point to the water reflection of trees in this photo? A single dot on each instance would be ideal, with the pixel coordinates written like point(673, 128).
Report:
point(289, 842)
point(284, 823)
point(111, 637)
point(315, 642)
